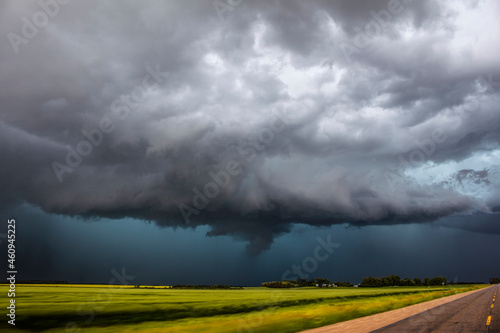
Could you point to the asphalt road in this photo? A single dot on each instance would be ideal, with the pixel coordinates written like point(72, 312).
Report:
point(478, 312)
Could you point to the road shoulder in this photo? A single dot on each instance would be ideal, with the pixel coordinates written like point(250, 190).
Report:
point(374, 322)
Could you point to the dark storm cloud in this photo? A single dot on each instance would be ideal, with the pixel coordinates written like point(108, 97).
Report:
point(264, 101)
point(480, 223)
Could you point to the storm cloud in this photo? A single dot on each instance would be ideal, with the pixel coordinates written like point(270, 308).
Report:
point(250, 117)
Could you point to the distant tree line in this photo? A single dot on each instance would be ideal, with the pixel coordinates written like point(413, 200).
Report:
point(279, 284)
point(195, 286)
point(42, 282)
point(383, 281)
point(395, 280)
point(318, 282)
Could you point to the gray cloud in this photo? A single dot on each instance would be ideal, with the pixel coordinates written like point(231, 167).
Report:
point(317, 139)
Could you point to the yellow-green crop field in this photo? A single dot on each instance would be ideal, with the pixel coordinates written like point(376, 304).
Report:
point(104, 309)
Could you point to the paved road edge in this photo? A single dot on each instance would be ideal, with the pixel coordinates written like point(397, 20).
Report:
point(379, 320)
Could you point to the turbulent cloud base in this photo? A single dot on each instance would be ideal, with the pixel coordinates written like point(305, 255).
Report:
point(269, 114)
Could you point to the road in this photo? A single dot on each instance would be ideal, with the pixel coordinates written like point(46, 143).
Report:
point(477, 312)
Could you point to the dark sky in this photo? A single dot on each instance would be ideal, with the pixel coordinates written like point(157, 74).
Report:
point(214, 141)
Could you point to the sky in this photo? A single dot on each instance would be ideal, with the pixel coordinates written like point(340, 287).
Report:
point(238, 141)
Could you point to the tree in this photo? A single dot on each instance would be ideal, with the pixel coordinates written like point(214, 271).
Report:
point(494, 280)
point(389, 281)
point(343, 284)
point(438, 280)
point(406, 282)
point(385, 281)
point(394, 280)
point(279, 284)
point(417, 281)
point(371, 282)
point(322, 281)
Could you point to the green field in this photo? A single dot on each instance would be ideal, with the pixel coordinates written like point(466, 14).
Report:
point(102, 308)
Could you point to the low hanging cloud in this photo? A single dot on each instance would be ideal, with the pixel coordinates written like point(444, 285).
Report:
point(253, 117)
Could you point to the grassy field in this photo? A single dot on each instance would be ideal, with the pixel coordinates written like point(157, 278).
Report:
point(103, 308)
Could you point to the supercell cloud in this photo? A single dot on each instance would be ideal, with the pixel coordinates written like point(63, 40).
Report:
point(251, 116)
